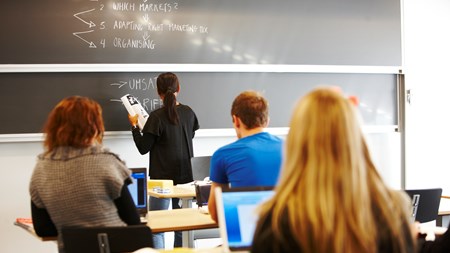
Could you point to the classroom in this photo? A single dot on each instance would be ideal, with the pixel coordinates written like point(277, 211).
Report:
point(394, 58)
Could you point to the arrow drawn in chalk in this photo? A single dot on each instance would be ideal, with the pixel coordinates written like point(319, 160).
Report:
point(90, 23)
point(91, 44)
point(120, 84)
point(146, 18)
point(146, 36)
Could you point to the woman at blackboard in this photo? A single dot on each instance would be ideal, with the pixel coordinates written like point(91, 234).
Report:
point(167, 135)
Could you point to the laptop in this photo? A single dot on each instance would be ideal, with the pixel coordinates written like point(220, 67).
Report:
point(237, 214)
point(138, 191)
point(425, 204)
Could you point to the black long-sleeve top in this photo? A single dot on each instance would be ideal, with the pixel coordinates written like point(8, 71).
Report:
point(170, 145)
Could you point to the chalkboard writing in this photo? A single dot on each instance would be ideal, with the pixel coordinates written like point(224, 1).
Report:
point(306, 32)
point(27, 98)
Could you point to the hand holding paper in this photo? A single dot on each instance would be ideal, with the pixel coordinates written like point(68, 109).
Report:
point(134, 109)
point(133, 119)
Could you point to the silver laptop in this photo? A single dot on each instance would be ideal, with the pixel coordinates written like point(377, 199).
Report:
point(236, 210)
point(138, 191)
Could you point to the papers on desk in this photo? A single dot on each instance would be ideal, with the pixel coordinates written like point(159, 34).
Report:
point(161, 190)
point(203, 209)
point(430, 230)
point(146, 250)
point(160, 185)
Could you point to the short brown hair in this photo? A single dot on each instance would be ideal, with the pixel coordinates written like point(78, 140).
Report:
point(75, 121)
point(252, 108)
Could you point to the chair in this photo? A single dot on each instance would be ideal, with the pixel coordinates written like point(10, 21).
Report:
point(425, 203)
point(200, 167)
point(200, 170)
point(106, 239)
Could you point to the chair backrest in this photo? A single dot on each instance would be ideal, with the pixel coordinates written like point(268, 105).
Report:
point(200, 167)
point(106, 239)
point(425, 203)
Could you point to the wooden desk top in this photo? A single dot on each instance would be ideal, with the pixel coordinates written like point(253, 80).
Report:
point(161, 221)
point(179, 220)
point(29, 228)
point(181, 192)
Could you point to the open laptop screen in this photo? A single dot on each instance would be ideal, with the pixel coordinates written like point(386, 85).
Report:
point(138, 189)
point(238, 215)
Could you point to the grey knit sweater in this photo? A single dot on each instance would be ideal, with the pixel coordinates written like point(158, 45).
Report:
point(77, 186)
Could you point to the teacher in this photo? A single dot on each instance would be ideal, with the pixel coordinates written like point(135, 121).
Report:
point(167, 135)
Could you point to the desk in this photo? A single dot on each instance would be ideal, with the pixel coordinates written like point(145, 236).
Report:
point(29, 228)
point(186, 193)
point(160, 221)
point(179, 220)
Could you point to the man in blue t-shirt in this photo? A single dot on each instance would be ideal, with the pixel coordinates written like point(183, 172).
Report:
point(255, 158)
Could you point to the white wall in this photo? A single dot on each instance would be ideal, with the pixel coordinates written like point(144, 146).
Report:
point(427, 68)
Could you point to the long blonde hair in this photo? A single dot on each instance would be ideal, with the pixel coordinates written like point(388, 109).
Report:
point(329, 187)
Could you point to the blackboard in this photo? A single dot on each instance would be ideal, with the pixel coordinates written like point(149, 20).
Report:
point(27, 98)
point(304, 32)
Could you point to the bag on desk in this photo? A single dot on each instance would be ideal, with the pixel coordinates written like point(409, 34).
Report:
point(202, 194)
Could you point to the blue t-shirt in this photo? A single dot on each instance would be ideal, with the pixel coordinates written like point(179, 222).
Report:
point(250, 161)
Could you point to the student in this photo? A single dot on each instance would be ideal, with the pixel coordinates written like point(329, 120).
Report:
point(330, 197)
point(255, 158)
point(76, 181)
point(167, 135)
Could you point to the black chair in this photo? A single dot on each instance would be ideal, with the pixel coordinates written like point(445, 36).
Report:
point(200, 170)
point(425, 203)
point(200, 167)
point(106, 239)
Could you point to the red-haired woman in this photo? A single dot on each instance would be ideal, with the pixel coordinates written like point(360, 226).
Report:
point(76, 181)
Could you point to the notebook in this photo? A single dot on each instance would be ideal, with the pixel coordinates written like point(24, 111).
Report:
point(237, 214)
point(138, 191)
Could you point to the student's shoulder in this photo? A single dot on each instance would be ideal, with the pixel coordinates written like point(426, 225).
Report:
point(228, 149)
point(271, 139)
point(105, 153)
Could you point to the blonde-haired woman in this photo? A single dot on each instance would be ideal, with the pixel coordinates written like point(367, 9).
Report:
point(330, 197)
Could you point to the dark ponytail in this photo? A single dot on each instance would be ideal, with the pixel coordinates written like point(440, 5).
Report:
point(167, 84)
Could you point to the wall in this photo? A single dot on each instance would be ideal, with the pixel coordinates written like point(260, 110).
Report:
point(426, 64)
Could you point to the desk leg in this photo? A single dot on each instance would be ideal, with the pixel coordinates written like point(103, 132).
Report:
point(188, 236)
point(188, 239)
point(186, 203)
